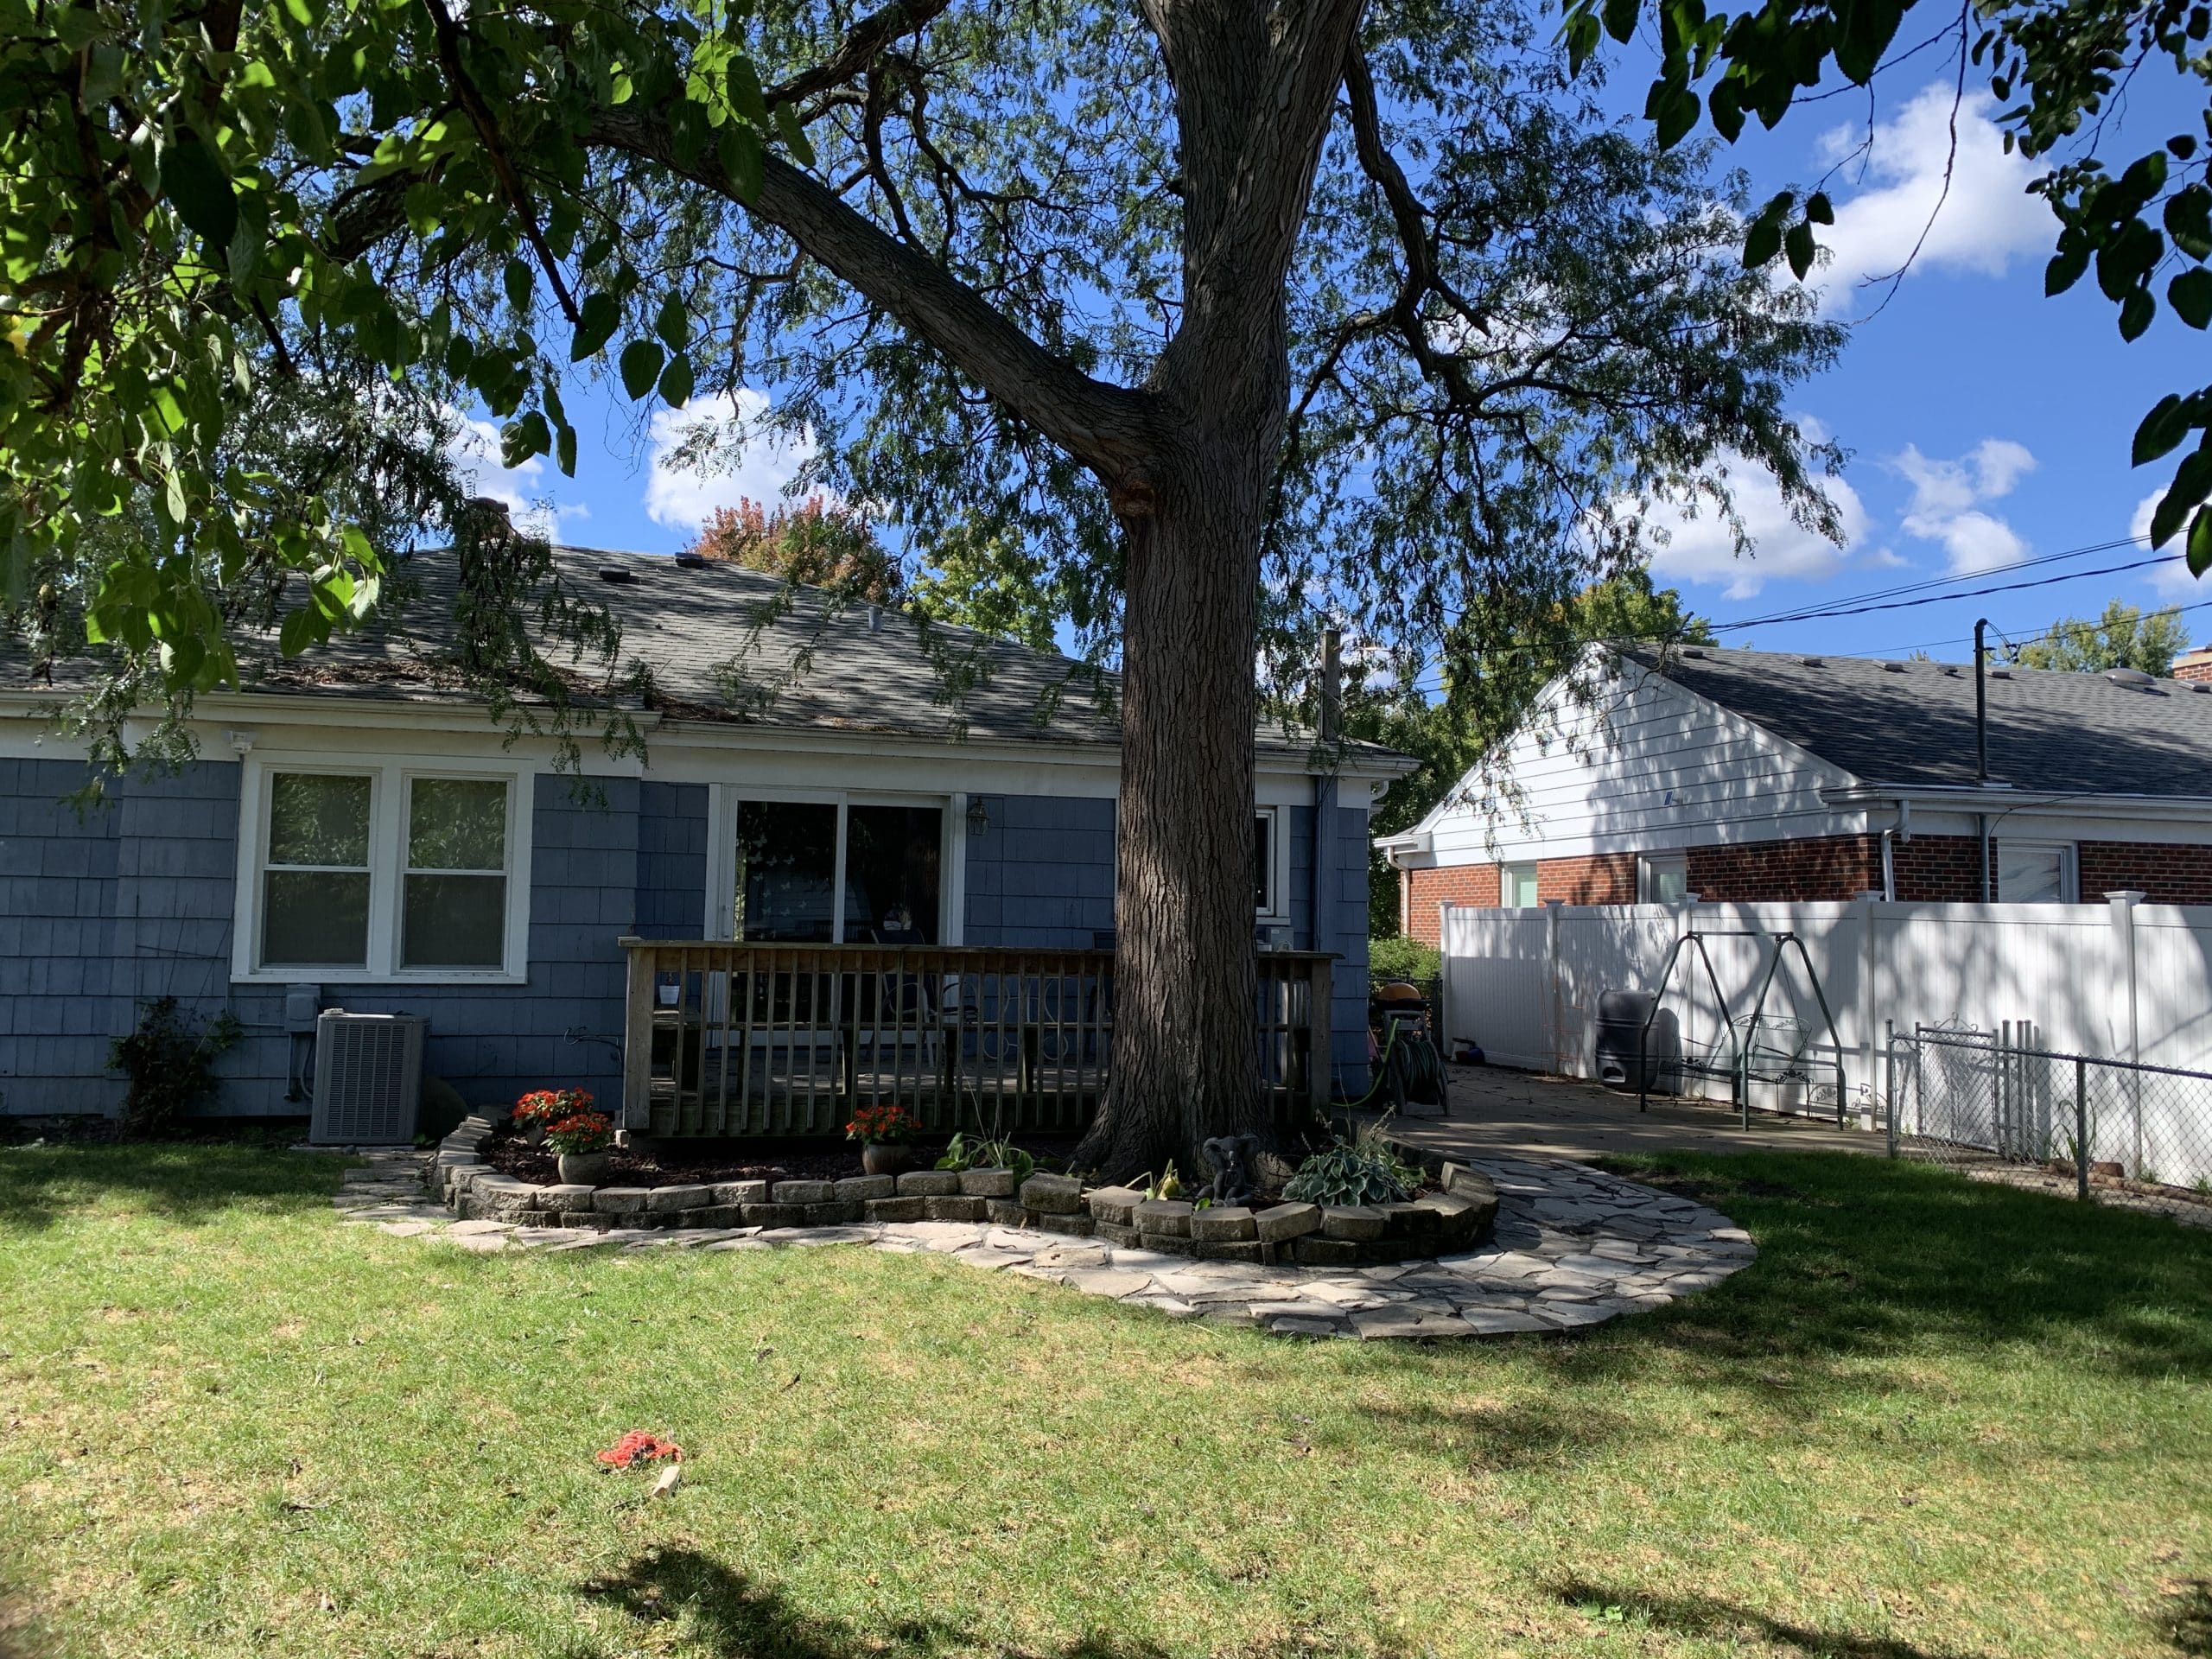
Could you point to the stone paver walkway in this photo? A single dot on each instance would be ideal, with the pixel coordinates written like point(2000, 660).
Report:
point(1574, 1248)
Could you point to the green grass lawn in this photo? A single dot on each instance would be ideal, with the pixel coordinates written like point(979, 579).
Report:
point(1934, 1419)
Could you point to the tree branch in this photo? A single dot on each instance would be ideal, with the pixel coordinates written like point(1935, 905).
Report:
point(1109, 429)
point(488, 129)
point(858, 50)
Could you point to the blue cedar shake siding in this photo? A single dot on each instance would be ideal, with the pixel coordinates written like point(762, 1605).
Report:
point(1042, 875)
point(135, 900)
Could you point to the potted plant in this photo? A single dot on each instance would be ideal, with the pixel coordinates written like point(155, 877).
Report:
point(884, 1130)
point(582, 1140)
point(541, 1109)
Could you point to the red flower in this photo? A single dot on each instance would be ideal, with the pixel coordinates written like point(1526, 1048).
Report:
point(884, 1120)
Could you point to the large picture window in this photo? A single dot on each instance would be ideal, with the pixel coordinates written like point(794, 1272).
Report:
point(380, 871)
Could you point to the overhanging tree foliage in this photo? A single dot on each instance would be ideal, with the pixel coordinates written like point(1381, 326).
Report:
point(1232, 314)
point(2058, 69)
point(2124, 636)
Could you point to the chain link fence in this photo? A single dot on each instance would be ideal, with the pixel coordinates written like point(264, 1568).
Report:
point(1995, 1106)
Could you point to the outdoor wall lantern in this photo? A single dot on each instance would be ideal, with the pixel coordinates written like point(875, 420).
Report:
point(979, 820)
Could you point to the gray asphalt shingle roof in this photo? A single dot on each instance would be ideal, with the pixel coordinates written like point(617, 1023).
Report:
point(1913, 723)
point(723, 643)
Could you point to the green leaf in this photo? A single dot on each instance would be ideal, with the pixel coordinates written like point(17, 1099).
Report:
point(673, 323)
point(2192, 479)
point(2191, 296)
point(564, 450)
point(298, 631)
point(795, 138)
point(1620, 19)
point(2188, 220)
point(2200, 542)
point(194, 179)
point(1761, 242)
point(675, 382)
point(2166, 425)
point(1818, 209)
point(597, 319)
point(1798, 243)
point(2135, 314)
point(523, 437)
point(2064, 270)
point(741, 151)
point(520, 279)
point(745, 91)
point(640, 364)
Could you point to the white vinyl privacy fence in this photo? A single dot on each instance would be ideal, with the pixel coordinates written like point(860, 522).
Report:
point(2123, 979)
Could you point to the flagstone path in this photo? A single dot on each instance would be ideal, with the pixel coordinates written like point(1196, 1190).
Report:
point(1574, 1247)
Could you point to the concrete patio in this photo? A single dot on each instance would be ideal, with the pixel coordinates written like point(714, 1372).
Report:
point(1493, 1112)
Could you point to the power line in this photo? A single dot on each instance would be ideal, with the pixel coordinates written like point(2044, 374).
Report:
point(1932, 582)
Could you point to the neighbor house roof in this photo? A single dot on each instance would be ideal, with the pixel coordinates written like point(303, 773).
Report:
point(722, 643)
point(1912, 723)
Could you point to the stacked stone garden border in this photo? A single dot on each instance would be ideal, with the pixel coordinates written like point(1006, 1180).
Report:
point(1310, 1235)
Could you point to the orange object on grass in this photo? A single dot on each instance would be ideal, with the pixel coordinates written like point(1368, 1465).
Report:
point(638, 1447)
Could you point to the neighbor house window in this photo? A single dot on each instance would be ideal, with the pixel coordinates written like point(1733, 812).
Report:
point(2034, 872)
point(380, 871)
point(1517, 887)
point(1662, 878)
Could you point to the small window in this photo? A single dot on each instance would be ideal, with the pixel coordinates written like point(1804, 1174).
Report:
point(2034, 872)
point(456, 876)
point(315, 884)
point(1662, 878)
point(1518, 890)
point(1263, 862)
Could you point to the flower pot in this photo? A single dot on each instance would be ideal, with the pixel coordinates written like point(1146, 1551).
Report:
point(886, 1157)
point(584, 1168)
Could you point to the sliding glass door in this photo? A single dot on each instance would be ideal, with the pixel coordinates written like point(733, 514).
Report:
point(829, 871)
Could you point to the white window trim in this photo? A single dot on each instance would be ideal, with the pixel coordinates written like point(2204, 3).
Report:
point(721, 850)
point(1649, 864)
point(389, 776)
point(1277, 909)
point(2069, 869)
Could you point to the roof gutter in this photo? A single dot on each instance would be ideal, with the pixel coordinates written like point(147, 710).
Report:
point(1951, 797)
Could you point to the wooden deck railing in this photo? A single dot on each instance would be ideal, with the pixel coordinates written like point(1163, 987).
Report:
point(723, 1039)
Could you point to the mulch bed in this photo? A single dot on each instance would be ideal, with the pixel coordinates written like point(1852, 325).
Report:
point(688, 1163)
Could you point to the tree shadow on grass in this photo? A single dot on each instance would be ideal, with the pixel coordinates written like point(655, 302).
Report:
point(1709, 1617)
point(184, 1183)
point(2184, 1623)
point(738, 1617)
point(1499, 1436)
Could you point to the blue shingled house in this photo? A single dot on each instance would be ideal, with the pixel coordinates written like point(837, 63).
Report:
point(850, 844)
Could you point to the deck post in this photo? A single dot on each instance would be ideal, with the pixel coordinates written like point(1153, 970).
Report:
point(638, 1035)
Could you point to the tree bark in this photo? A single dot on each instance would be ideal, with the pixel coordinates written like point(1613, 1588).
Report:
point(1184, 1064)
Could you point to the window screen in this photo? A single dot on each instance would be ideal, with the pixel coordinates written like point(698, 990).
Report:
point(314, 883)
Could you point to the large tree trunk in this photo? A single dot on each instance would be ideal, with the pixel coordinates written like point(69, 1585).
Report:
point(1184, 1065)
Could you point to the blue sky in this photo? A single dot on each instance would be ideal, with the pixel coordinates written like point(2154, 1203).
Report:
point(1985, 424)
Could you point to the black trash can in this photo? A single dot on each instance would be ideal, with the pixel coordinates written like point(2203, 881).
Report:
point(1621, 1015)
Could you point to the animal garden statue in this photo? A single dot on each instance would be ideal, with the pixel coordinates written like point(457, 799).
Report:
point(1232, 1156)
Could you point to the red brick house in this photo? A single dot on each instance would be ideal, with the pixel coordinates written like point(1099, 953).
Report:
point(1643, 776)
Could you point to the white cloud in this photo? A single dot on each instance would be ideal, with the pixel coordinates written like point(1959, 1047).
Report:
point(473, 449)
point(1947, 499)
point(738, 454)
point(2171, 577)
point(1699, 546)
point(1985, 221)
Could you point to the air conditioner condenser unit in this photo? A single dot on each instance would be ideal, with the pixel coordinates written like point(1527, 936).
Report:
point(368, 1078)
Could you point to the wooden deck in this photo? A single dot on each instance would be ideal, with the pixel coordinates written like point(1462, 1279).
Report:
point(732, 1039)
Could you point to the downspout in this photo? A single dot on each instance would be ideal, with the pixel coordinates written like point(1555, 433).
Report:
point(1901, 830)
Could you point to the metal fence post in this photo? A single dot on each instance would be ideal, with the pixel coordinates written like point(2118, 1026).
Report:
point(2081, 1129)
point(1890, 1080)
